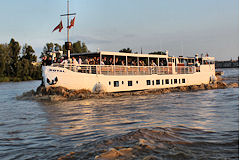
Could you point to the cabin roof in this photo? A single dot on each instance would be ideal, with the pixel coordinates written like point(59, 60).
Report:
point(135, 55)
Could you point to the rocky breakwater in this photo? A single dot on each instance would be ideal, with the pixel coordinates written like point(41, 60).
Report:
point(54, 94)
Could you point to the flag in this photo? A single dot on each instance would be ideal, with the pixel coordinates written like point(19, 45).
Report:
point(60, 27)
point(72, 23)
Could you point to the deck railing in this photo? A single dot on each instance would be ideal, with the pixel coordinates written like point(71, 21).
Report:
point(127, 70)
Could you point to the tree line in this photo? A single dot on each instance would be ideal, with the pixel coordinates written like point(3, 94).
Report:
point(16, 62)
point(19, 63)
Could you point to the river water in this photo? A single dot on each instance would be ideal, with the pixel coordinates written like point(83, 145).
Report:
point(205, 123)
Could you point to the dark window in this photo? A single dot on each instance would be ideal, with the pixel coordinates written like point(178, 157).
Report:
point(183, 80)
point(137, 82)
point(179, 81)
point(122, 82)
point(148, 82)
point(116, 83)
point(171, 81)
point(157, 82)
point(175, 81)
point(109, 83)
point(129, 83)
point(153, 83)
point(162, 82)
point(166, 81)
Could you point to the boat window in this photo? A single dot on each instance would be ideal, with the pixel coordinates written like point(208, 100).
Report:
point(171, 81)
point(162, 62)
point(136, 82)
point(109, 83)
point(183, 80)
point(152, 82)
point(143, 61)
point(129, 83)
point(157, 82)
point(162, 82)
point(166, 81)
point(132, 61)
point(175, 81)
point(148, 82)
point(122, 82)
point(116, 83)
point(179, 81)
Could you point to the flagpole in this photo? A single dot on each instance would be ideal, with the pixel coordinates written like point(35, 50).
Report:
point(68, 21)
point(68, 44)
point(69, 51)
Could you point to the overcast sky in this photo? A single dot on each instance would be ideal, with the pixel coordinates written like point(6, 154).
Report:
point(184, 27)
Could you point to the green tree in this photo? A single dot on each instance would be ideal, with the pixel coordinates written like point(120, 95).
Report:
point(28, 53)
point(126, 50)
point(14, 52)
point(4, 59)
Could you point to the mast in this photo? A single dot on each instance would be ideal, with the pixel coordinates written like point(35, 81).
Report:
point(67, 20)
point(68, 44)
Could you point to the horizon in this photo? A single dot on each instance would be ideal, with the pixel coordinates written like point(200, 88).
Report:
point(183, 28)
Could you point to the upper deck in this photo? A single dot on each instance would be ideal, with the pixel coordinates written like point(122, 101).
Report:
point(116, 63)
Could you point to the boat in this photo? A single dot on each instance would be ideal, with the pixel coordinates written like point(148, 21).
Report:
point(119, 72)
point(137, 72)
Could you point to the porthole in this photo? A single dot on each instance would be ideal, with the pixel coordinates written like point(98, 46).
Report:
point(109, 83)
point(122, 82)
point(136, 82)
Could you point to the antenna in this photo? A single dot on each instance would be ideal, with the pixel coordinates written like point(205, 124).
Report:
point(68, 44)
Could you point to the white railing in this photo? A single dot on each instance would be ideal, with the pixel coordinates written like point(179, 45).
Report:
point(127, 70)
point(185, 69)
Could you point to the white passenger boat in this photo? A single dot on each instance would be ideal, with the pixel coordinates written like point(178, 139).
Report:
point(136, 72)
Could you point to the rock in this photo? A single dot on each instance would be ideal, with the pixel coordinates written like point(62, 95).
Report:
point(233, 85)
point(221, 85)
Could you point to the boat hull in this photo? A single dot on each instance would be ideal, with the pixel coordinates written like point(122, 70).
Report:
point(62, 77)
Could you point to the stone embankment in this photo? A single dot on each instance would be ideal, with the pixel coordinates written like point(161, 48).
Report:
point(54, 94)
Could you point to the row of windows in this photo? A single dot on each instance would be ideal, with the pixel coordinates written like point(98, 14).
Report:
point(158, 82)
point(167, 81)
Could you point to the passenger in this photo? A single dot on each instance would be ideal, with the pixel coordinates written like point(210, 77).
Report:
point(153, 64)
point(102, 62)
point(110, 61)
point(118, 62)
point(105, 60)
point(74, 61)
point(98, 61)
point(79, 60)
point(55, 60)
point(44, 60)
point(133, 63)
point(49, 61)
point(123, 63)
point(86, 61)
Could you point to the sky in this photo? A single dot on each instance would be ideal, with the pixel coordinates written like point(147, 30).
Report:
point(183, 27)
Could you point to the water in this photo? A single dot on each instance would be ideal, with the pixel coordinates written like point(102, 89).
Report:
point(205, 122)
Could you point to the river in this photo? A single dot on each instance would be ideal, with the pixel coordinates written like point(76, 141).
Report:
point(207, 122)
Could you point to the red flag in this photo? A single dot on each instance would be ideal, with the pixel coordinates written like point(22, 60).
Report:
point(60, 27)
point(72, 23)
